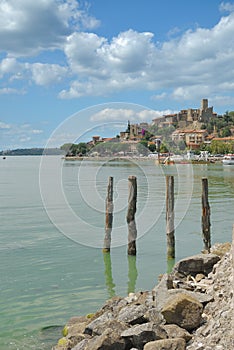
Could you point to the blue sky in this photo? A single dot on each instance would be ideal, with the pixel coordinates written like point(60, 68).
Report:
point(105, 61)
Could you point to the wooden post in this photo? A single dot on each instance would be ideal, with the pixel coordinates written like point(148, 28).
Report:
point(132, 199)
point(170, 217)
point(109, 216)
point(205, 215)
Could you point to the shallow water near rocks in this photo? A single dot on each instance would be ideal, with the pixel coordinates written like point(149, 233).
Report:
point(47, 275)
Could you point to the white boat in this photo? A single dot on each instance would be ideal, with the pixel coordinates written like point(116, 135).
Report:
point(228, 159)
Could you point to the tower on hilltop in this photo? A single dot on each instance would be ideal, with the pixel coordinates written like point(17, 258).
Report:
point(204, 104)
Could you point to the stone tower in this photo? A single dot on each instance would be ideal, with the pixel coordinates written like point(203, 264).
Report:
point(204, 104)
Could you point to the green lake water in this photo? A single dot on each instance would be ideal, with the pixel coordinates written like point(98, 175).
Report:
point(52, 228)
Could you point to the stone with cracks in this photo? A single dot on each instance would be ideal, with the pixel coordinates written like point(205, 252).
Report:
point(200, 263)
point(184, 311)
point(132, 314)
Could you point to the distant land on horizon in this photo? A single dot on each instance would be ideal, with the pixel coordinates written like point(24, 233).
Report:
point(32, 152)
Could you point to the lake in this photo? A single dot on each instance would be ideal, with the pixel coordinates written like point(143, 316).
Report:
point(52, 215)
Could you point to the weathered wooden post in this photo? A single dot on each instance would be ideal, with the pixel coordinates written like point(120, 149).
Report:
point(205, 215)
point(170, 217)
point(132, 199)
point(158, 145)
point(109, 216)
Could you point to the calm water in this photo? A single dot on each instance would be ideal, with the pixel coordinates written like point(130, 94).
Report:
point(51, 263)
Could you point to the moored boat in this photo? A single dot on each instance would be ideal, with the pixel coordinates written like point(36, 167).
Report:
point(228, 159)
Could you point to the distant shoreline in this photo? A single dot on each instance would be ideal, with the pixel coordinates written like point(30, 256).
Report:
point(33, 152)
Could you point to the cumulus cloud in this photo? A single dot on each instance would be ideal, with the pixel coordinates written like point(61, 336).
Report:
point(226, 7)
point(132, 60)
point(196, 63)
point(27, 27)
point(46, 74)
point(121, 114)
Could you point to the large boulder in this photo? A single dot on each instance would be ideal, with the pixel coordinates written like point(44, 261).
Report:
point(183, 310)
point(166, 344)
point(200, 263)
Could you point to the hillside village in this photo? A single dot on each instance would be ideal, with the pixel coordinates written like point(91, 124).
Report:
point(191, 129)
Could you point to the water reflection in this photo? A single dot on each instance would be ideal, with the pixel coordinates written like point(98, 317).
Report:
point(108, 274)
point(132, 273)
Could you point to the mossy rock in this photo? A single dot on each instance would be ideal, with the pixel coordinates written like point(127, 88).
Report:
point(63, 342)
point(65, 331)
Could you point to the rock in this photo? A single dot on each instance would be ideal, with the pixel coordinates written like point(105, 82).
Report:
point(221, 249)
point(174, 331)
point(81, 345)
point(76, 328)
point(112, 305)
point(201, 263)
point(136, 322)
point(153, 315)
point(161, 290)
point(199, 277)
point(183, 310)
point(132, 314)
point(217, 331)
point(107, 316)
point(201, 297)
point(116, 326)
point(166, 344)
point(109, 340)
point(141, 334)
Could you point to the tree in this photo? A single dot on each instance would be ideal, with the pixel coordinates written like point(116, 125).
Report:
point(225, 132)
point(77, 149)
point(163, 148)
point(66, 146)
point(152, 147)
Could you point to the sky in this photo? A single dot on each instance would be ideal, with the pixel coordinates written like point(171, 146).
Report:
point(71, 68)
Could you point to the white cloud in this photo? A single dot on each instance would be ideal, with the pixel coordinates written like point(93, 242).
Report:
point(4, 125)
point(27, 27)
point(226, 7)
point(121, 114)
point(46, 74)
point(9, 91)
point(161, 96)
point(196, 64)
point(132, 60)
point(222, 100)
point(25, 139)
point(36, 131)
point(8, 65)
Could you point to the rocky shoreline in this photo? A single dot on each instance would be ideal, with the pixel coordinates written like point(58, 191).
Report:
point(190, 308)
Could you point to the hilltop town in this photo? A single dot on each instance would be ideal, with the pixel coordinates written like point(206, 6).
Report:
point(191, 129)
